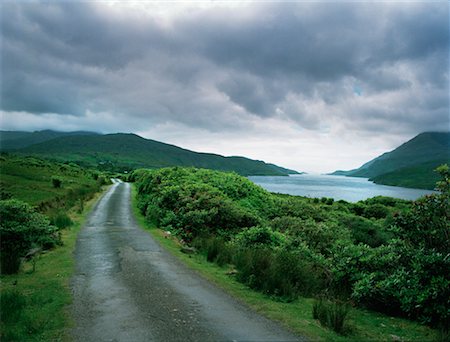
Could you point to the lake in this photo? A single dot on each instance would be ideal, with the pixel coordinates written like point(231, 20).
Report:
point(351, 189)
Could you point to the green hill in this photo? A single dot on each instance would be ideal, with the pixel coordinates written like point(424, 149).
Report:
point(13, 140)
point(420, 176)
point(31, 180)
point(409, 165)
point(119, 152)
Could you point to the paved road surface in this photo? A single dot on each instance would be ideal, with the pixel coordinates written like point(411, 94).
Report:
point(126, 288)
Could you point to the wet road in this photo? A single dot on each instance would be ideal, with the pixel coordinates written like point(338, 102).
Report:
point(126, 288)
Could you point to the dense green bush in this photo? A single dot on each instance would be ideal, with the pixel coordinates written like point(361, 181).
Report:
point(365, 231)
point(60, 219)
point(56, 182)
point(4, 193)
point(102, 180)
point(256, 237)
point(180, 200)
point(377, 211)
point(319, 237)
point(22, 228)
point(385, 254)
point(278, 272)
point(216, 248)
point(13, 303)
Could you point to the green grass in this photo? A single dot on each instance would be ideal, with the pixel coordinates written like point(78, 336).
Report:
point(364, 325)
point(30, 179)
point(44, 292)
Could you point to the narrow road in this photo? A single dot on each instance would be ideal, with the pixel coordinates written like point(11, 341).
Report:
point(126, 288)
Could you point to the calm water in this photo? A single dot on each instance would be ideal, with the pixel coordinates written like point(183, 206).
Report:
point(351, 189)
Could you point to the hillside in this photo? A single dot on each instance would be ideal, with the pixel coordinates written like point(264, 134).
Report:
point(419, 176)
point(119, 152)
point(409, 165)
point(31, 180)
point(13, 140)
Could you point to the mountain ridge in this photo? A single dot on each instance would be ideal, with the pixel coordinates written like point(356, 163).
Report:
point(13, 140)
point(126, 151)
point(411, 164)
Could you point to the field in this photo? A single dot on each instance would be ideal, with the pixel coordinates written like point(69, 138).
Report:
point(34, 181)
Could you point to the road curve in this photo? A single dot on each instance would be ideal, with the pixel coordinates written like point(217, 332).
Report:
point(126, 288)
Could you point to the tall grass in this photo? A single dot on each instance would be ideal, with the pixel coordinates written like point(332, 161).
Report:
point(12, 303)
point(332, 314)
point(276, 272)
point(60, 219)
point(12, 310)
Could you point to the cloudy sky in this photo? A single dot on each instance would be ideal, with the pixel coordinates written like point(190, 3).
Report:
point(314, 86)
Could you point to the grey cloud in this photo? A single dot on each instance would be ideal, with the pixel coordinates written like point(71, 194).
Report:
point(256, 95)
point(286, 43)
point(78, 33)
point(215, 69)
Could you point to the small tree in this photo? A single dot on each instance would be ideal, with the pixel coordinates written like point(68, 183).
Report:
point(422, 287)
point(21, 228)
point(427, 225)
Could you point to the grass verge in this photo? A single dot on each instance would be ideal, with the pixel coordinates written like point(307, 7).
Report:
point(297, 316)
point(41, 290)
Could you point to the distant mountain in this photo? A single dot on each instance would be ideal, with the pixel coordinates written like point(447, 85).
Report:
point(13, 140)
point(409, 165)
point(121, 151)
point(282, 169)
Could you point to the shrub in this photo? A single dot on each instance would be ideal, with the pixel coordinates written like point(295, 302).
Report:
point(300, 207)
point(13, 303)
point(253, 266)
point(284, 274)
point(287, 246)
point(5, 194)
point(217, 250)
point(60, 219)
point(329, 201)
point(358, 208)
point(377, 211)
point(56, 182)
point(21, 228)
point(214, 247)
point(101, 180)
point(317, 236)
point(365, 231)
point(420, 282)
point(259, 237)
point(191, 202)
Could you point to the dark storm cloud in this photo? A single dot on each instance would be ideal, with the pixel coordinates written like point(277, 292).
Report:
point(370, 66)
point(284, 41)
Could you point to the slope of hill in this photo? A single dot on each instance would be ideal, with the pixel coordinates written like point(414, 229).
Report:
point(409, 165)
point(13, 140)
point(121, 151)
point(420, 176)
point(31, 180)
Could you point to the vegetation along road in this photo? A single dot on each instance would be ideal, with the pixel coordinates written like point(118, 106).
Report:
point(126, 288)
